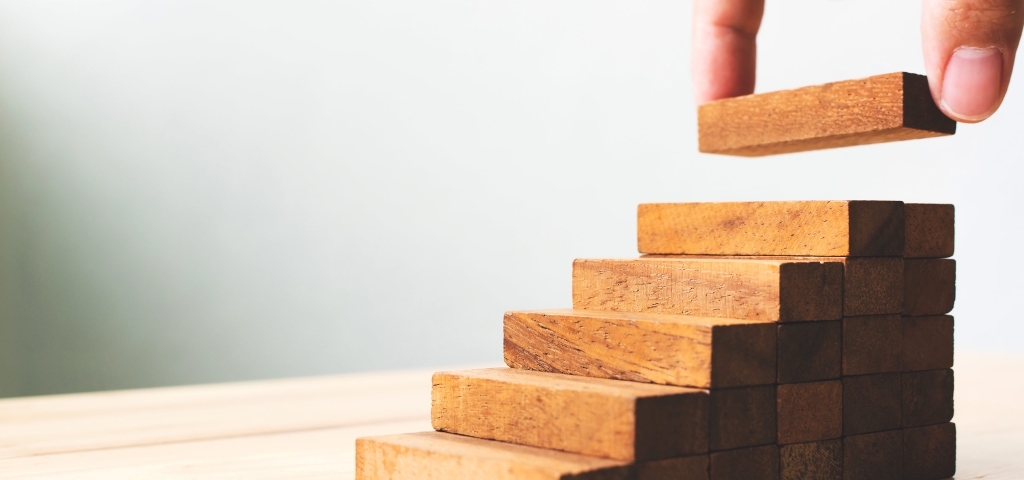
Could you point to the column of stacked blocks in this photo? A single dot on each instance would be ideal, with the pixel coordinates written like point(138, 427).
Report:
point(775, 340)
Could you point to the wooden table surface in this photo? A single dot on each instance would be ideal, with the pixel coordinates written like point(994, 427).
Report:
point(306, 427)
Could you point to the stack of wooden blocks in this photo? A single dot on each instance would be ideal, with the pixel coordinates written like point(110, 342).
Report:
point(775, 340)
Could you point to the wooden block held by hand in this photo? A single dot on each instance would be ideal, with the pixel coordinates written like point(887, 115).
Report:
point(929, 286)
point(811, 461)
point(758, 463)
point(742, 417)
point(929, 453)
point(930, 230)
point(810, 228)
point(872, 344)
point(927, 397)
point(873, 456)
point(810, 351)
point(437, 456)
point(883, 108)
point(590, 416)
point(765, 290)
point(809, 412)
point(678, 350)
point(871, 403)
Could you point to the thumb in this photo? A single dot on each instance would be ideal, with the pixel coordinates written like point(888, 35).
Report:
point(969, 48)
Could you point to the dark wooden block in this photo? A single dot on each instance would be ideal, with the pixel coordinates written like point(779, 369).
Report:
point(683, 468)
point(810, 351)
point(871, 403)
point(872, 344)
point(758, 463)
point(874, 456)
point(929, 453)
point(927, 397)
point(742, 417)
point(872, 286)
point(811, 461)
point(929, 229)
point(929, 286)
point(927, 343)
point(809, 412)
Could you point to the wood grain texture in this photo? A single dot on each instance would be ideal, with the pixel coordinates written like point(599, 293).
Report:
point(694, 467)
point(742, 417)
point(929, 453)
point(810, 351)
point(873, 456)
point(811, 461)
point(872, 344)
point(927, 343)
point(927, 397)
point(930, 229)
point(809, 412)
point(678, 350)
point(929, 286)
point(883, 108)
point(757, 463)
point(590, 416)
point(871, 403)
point(441, 456)
point(807, 228)
point(763, 290)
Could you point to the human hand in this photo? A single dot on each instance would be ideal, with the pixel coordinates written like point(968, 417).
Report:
point(969, 49)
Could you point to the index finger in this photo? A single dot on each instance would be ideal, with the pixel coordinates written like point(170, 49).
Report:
point(724, 57)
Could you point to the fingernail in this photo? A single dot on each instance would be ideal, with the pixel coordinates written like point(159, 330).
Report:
point(973, 80)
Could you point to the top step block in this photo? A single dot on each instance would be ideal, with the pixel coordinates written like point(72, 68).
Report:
point(883, 108)
point(810, 228)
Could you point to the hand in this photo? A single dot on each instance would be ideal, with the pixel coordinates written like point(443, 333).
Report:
point(969, 48)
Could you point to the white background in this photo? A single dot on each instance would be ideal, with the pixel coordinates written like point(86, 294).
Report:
point(196, 191)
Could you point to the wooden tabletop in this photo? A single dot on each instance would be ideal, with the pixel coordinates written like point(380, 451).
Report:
point(306, 427)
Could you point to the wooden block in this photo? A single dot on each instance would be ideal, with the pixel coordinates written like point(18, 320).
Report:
point(809, 412)
point(929, 286)
point(764, 290)
point(874, 456)
point(811, 461)
point(871, 403)
point(930, 230)
point(590, 416)
point(883, 108)
point(758, 463)
point(927, 343)
point(679, 350)
point(872, 344)
point(742, 417)
point(441, 456)
point(927, 397)
point(929, 453)
point(684, 468)
point(815, 228)
point(810, 351)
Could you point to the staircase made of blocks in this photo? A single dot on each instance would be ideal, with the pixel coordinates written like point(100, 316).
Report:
point(761, 340)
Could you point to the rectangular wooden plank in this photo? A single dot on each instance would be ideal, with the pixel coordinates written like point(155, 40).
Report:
point(810, 351)
point(757, 463)
point(441, 456)
point(806, 228)
point(872, 344)
point(809, 412)
point(930, 230)
point(929, 453)
point(882, 108)
point(927, 343)
point(871, 403)
point(677, 350)
point(590, 416)
point(873, 456)
point(765, 290)
point(929, 286)
point(742, 417)
point(927, 397)
point(811, 461)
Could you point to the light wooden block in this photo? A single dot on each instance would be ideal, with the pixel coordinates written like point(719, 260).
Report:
point(810, 351)
point(742, 417)
point(927, 397)
point(929, 286)
point(930, 230)
point(757, 463)
point(873, 456)
point(927, 343)
point(590, 416)
point(764, 290)
point(871, 403)
point(678, 350)
point(883, 108)
point(442, 456)
point(807, 228)
point(809, 412)
point(872, 344)
point(929, 453)
point(811, 461)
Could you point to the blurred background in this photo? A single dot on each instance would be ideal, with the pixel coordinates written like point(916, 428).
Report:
point(202, 191)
